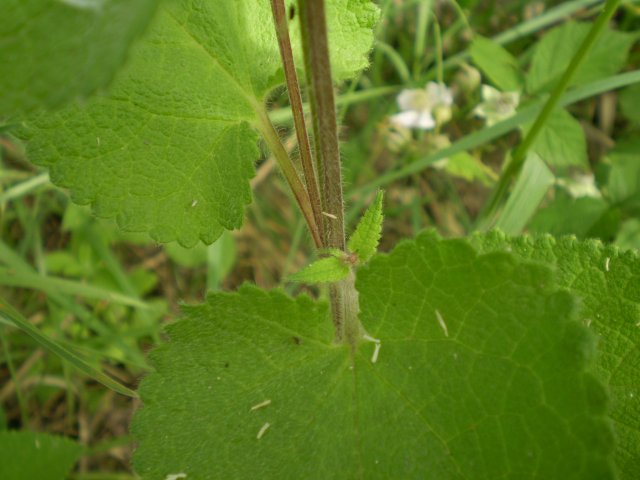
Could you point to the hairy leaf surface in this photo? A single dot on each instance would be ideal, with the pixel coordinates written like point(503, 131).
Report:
point(170, 149)
point(608, 283)
point(54, 51)
point(479, 374)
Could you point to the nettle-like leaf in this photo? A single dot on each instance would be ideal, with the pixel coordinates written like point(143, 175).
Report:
point(30, 455)
point(170, 149)
point(561, 142)
point(497, 64)
point(479, 373)
point(54, 51)
point(608, 282)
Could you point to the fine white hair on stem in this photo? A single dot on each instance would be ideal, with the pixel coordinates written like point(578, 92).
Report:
point(442, 324)
point(261, 405)
point(262, 430)
point(376, 352)
point(369, 338)
point(175, 476)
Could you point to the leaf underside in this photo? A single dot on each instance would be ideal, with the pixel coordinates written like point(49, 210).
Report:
point(608, 282)
point(56, 51)
point(170, 149)
point(480, 374)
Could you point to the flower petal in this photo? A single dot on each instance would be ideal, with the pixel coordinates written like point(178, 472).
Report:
point(414, 119)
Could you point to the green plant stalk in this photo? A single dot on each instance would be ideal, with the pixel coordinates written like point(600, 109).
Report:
point(343, 296)
point(422, 29)
point(304, 40)
point(327, 140)
point(520, 154)
point(295, 98)
point(272, 139)
point(437, 38)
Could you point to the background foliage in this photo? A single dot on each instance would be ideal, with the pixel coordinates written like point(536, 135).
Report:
point(103, 296)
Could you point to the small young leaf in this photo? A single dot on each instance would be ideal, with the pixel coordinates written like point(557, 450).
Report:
point(497, 64)
point(561, 142)
point(330, 269)
point(479, 372)
point(364, 241)
point(30, 456)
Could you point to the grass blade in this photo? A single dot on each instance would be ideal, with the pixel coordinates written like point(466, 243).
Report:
point(530, 189)
point(49, 285)
point(12, 317)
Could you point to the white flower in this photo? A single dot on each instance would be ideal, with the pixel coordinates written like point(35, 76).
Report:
point(423, 108)
point(496, 105)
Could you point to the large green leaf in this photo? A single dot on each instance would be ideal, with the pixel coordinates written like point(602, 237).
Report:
point(556, 49)
point(479, 373)
point(608, 283)
point(171, 148)
point(54, 51)
point(31, 456)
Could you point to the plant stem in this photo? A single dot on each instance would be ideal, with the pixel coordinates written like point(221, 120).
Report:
point(304, 37)
point(343, 295)
point(520, 154)
point(270, 136)
point(284, 43)
point(312, 14)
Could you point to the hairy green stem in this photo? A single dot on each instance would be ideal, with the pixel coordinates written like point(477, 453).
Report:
point(343, 295)
point(293, 87)
point(520, 154)
point(314, 24)
point(304, 37)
